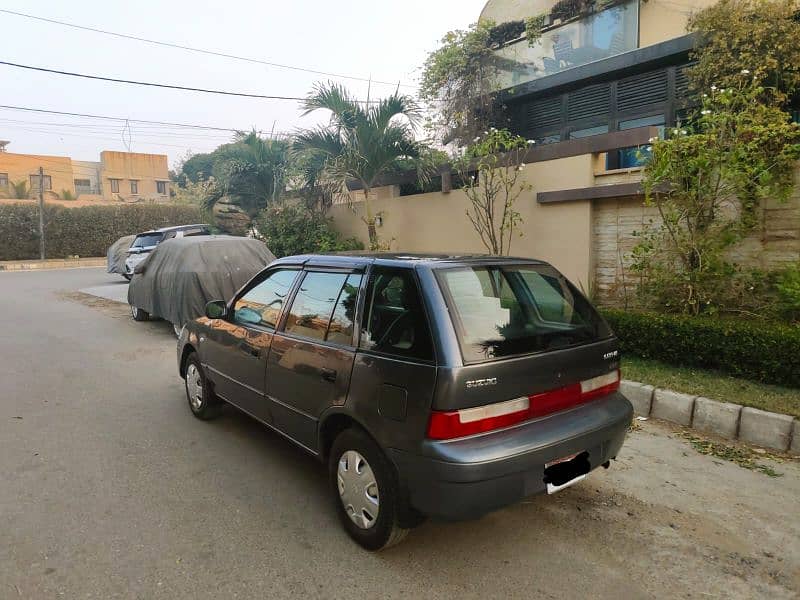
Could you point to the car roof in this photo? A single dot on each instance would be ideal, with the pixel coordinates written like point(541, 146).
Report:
point(430, 260)
point(175, 228)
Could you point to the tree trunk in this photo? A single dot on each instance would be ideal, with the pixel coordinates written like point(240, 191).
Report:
point(374, 243)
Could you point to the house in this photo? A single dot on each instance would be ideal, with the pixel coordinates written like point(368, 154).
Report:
point(603, 80)
point(117, 176)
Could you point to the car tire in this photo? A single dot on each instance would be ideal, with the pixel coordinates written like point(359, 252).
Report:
point(203, 402)
point(363, 481)
point(139, 315)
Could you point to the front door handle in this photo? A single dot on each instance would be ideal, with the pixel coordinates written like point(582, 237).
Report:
point(328, 375)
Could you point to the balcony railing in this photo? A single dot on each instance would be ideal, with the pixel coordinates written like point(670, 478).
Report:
point(590, 38)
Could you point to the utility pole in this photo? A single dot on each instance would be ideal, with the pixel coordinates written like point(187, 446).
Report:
point(41, 213)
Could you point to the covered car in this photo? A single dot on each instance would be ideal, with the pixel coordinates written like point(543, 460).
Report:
point(179, 277)
point(117, 253)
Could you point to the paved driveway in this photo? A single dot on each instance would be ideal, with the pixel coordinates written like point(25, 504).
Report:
point(110, 489)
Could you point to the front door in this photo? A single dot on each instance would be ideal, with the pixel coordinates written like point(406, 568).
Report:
point(236, 348)
point(311, 360)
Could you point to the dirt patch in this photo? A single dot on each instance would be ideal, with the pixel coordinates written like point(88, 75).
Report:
point(109, 307)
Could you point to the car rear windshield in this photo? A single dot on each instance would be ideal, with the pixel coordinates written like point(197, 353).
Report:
point(510, 310)
point(145, 241)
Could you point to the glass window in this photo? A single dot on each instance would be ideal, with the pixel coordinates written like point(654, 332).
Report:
point(148, 240)
point(48, 182)
point(3, 180)
point(394, 319)
point(506, 311)
point(161, 187)
point(134, 187)
point(262, 304)
point(588, 131)
point(340, 331)
point(637, 156)
point(314, 303)
point(114, 185)
point(593, 37)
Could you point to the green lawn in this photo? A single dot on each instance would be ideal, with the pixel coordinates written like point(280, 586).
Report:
point(712, 384)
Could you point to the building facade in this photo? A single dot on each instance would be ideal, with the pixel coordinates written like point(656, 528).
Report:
point(604, 79)
point(117, 176)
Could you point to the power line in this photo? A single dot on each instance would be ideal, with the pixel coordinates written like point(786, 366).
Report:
point(202, 51)
point(151, 84)
point(123, 119)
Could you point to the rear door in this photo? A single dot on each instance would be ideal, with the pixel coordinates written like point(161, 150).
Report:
point(311, 359)
point(237, 347)
point(394, 373)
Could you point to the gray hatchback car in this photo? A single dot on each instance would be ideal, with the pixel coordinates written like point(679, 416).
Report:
point(432, 386)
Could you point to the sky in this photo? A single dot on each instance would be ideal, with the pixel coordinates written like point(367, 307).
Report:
point(385, 41)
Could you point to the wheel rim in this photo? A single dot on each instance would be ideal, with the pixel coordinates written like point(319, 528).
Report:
point(194, 387)
point(358, 489)
point(133, 311)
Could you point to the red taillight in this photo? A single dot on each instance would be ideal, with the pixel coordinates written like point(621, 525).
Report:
point(445, 425)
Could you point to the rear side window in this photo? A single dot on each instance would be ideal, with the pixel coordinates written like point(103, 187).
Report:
point(506, 311)
point(262, 304)
point(394, 320)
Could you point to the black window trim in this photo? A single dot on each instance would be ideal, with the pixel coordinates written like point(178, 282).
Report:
point(305, 270)
point(425, 311)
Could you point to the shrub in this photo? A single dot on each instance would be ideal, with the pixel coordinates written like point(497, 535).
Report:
point(759, 350)
point(290, 229)
point(84, 231)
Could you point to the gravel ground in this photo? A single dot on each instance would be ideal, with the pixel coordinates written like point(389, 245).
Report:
point(110, 489)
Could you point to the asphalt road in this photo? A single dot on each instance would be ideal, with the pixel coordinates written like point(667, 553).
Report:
point(110, 489)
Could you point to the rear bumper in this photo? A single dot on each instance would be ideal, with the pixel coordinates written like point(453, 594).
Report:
point(467, 478)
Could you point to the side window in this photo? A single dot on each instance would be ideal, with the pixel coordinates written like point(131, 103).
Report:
point(340, 331)
point(394, 320)
point(262, 304)
point(314, 304)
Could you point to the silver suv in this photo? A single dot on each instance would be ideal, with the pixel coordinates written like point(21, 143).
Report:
point(146, 242)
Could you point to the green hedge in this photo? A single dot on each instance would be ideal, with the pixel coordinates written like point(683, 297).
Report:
point(757, 350)
point(84, 231)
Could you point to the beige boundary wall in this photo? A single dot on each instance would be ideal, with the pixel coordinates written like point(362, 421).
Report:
point(590, 241)
point(436, 222)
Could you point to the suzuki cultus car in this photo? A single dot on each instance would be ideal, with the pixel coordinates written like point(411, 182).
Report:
point(432, 386)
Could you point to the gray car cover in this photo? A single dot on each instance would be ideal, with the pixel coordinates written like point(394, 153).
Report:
point(117, 253)
point(179, 277)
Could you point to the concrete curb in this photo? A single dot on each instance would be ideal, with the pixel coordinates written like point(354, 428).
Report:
point(732, 421)
point(53, 263)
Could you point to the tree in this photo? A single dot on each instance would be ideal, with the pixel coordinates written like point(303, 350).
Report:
point(197, 167)
point(361, 142)
point(749, 39)
point(290, 229)
point(492, 169)
point(252, 170)
point(458, 82)
point(707, 181)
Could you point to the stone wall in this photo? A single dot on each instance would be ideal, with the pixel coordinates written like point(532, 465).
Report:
point(774, 244)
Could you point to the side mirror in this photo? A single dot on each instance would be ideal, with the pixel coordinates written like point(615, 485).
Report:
point(216, 309)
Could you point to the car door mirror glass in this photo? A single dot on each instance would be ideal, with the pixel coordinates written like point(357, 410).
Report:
point(215, 309)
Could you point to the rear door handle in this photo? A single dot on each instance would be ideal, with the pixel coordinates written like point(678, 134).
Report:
point(328, 375)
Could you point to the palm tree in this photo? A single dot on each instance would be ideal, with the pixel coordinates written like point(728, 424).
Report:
point(252, 170)
point(362, 142)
